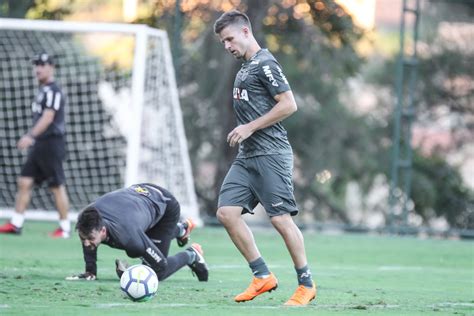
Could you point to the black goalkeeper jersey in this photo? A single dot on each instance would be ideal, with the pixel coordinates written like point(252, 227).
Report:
point(128, 214)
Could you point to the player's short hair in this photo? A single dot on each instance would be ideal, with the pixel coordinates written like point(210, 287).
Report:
point(231, 18)
point(89, 220)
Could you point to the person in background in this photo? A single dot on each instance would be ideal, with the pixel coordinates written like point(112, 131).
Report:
point(45, 143)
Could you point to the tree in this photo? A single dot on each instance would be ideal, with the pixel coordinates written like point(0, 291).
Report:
point(325, 60)
point(444, 91)
point(36, 9)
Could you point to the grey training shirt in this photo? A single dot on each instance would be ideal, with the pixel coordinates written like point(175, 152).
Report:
point(260, 79)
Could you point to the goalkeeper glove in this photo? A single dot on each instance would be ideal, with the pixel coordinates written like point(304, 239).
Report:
point(83, 276)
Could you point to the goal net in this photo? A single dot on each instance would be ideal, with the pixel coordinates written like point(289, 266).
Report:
point(123, 118)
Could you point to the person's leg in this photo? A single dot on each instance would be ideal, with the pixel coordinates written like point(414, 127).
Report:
point(274, 188)
point(293, 238)
point(22, 200)
point(294, 241)
point(61, 200)
point(235, 198)
point(51, 155)
point(242, 237)
point(23, 194)
point(62, 205)
point(162, 234)
point(239, 232)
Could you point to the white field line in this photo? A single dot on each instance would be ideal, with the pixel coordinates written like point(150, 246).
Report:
point(452, 304)
point(232, 306)
point(316, 271)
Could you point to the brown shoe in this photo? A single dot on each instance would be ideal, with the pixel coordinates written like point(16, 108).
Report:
point(302, 296)
point(257, 287)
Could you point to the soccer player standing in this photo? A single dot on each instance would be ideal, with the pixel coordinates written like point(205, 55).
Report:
point(46, 150)
point(262, 170)
point(142, 220)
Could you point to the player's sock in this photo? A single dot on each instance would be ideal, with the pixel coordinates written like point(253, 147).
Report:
point(175, 263)
point(181, 229)
point(259, 268)
point(192, 256)
point(65, 225)
point(18, 220)
point(304, 276)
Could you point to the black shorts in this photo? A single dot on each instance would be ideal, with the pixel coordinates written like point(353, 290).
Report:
point(166, 230)
point(45, 161)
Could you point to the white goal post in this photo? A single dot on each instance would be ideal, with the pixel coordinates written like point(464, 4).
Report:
point(123, 118)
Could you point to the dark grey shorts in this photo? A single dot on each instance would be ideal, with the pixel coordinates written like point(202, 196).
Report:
point(264, 179)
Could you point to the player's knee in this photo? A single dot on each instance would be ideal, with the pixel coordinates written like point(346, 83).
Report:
point(24, 184)
point(281, 221)
point(223, 216)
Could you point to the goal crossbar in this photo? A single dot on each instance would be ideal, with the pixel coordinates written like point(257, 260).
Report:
point(73, 26)
point(141, 33)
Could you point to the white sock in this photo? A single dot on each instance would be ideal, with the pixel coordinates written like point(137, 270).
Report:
point(65, 225)
point(18, 219)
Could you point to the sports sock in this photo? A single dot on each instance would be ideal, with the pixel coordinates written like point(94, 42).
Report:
point(65, 225)
point(304, 276)
point(18, 220)
point(181, 229)
point(175, 263)
point(259, 268)
point(192, 256)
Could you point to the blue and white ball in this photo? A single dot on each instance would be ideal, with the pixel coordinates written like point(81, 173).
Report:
point(139, 283)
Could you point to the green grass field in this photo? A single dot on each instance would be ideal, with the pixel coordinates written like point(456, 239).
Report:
point(356, 274)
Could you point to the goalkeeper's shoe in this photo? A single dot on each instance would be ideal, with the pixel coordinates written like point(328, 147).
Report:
point(199, 266)
point(9, 228)
point(59, 233)
point(257, 287)
point(188, 225)
point(302, 296)
point(87, 276)
point(120, 267)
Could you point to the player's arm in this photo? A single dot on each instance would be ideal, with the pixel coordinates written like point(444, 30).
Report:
point(90, 259)
point(284, 107)
point(41, 125)
point(272, 78)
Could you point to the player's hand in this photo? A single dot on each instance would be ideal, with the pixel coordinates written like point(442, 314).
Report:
point(25, 142)
point(239, 134)
point(87, 276)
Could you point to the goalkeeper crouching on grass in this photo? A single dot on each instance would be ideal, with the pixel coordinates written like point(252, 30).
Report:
point(142, 220)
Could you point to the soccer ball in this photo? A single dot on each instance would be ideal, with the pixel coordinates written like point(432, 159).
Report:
point(139, 283)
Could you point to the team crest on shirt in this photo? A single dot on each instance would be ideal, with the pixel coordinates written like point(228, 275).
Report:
point(141, 190)
point(243, 74)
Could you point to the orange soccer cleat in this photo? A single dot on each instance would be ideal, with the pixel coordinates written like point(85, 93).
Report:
point(257, 287)
point(302, 296)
